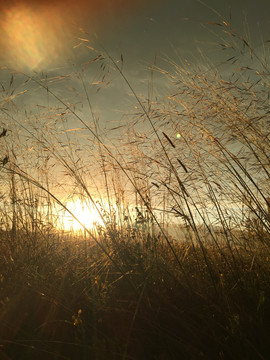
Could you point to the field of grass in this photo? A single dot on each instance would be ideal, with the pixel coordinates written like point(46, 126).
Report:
point(178, 265)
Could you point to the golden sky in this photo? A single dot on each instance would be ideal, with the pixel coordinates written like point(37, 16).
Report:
point(35, 34)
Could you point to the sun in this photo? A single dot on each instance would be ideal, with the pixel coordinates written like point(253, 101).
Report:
point(87, 213)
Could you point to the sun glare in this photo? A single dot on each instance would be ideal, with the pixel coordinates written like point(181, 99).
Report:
point(32, 37)
point(86, 213)
point(36, 35)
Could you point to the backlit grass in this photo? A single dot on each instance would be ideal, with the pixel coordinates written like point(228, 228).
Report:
point(175, 262)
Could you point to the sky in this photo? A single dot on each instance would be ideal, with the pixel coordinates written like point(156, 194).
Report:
point(37, 35)
point(48, 36)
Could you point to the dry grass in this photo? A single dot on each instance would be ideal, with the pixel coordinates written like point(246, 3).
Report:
point(180, 266)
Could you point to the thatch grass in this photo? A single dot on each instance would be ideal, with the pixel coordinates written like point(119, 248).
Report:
point(186, 274)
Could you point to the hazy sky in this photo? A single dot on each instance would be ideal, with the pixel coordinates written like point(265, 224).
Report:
point(41, 35)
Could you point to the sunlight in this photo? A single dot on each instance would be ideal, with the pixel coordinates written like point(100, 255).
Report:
point(32, 38)
point(85, 212)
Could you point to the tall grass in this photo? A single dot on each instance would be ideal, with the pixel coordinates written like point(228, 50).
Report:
point(178, 267)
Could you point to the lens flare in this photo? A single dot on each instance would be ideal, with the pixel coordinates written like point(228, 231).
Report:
point(38, 34)
point(29, 41)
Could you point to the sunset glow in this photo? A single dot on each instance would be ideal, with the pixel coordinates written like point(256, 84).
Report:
point(36, 35)
point(87, 214)
point(29, 40)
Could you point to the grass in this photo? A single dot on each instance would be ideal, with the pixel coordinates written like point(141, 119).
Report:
point(64, 302)
point(180, 266)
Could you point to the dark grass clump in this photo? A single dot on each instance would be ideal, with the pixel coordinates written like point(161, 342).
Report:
point(72, 303)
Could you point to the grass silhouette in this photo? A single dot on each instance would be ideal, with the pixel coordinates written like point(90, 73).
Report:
point(179, 267)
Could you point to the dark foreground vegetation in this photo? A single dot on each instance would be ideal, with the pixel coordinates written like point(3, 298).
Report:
point(133, 289)
point(69, 302)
